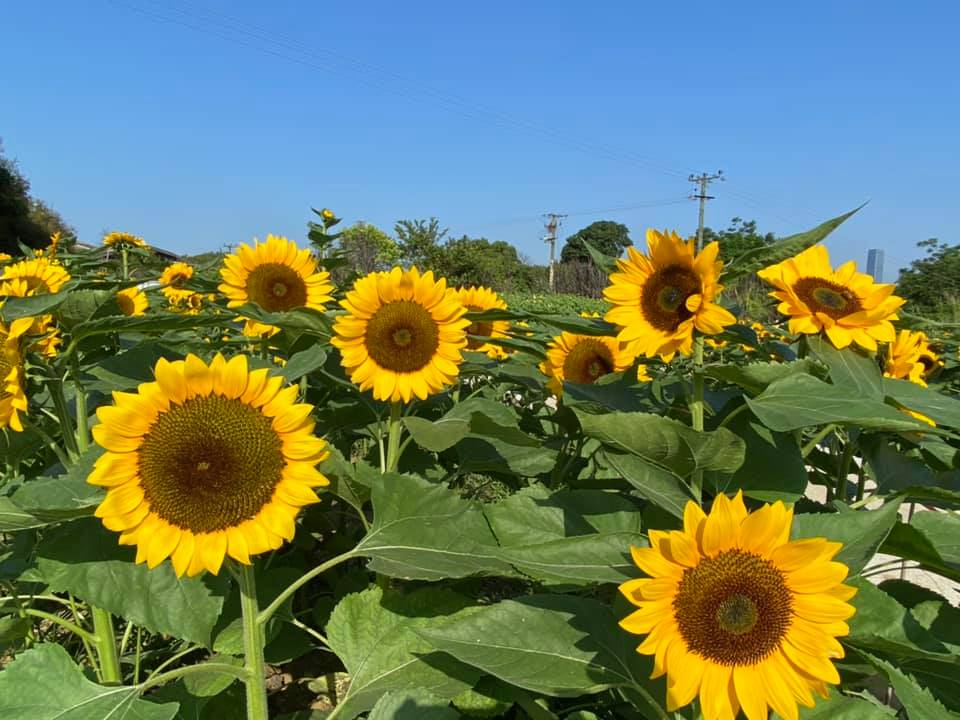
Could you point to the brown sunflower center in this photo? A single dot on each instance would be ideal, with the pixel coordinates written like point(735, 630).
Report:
point(828, 297)
point(210, 463)
point(276, 287)
point(5, 368)
point(402, 336)
point(733, 609)
point(587, 361)
point(664, 297)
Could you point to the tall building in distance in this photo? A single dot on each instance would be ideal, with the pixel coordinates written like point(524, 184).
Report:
point(875, 265)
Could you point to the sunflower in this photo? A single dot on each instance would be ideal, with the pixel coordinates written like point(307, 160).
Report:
point(5, 258)
point(33, 277)
point(13, 399)
point(661, 297)
point(207, 461)
point(737, 612)
point(478, 299)
point(277, 276)
point(123, 239)
point(909, 357)
point(849, 306)
point(176, 275)
point(402, 334)
point(582, 359)
point(132, 301)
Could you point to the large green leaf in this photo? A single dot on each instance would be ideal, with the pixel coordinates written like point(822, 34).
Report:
point(437, 436)
point(12, 517)
point(424, 531)
point(375, 635)
point(942, 408)
point(16, 307)
point(304, 363)
point(844, 707)
point(916, 700)
point(65, 496)
point(652, 482)
point(84, 559)
point(911, 543)
point(800, 401)
point(664, 441)
point(351, 482)
point(43, 683)
point(495, 442)
point(773, 467)
point(753, 260)
point(755, 377)
point(412, 705)
point(552, 644)
point(860, 531)
point(145, 324)
point(850, 368)
point(943, 531)
point(129, 368)
point(883, 626)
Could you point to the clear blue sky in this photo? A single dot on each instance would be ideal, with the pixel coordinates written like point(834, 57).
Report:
point(201, 123)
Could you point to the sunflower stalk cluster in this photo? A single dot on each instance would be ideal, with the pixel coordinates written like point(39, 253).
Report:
point(407, 497)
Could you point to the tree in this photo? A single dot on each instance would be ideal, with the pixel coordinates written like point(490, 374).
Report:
point(610, 238)
point(419, 241)
point(931, 284)
point(368, 248)
point(22, 218)
point(741, 236)
point(477, 261)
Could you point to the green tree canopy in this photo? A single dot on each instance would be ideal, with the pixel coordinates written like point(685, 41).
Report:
point(419, 241)
point(368, 248)
point(607, 236)
point(478, 261)
point(741, 236)
point(932, 283)
point(23, 219)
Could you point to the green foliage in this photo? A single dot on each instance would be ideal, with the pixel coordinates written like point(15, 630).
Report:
point(419, 241)
point(24, 219)
point(931, 284)
point(368, 248)
point(608, 237)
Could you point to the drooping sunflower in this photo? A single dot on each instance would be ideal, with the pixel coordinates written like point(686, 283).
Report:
point(277, 276)
point(909, 357)
point(582, 359)
point(735, 611)
point(132, 301)
point(206, 462)
point(116, 239)
point(13, 399)
point(845, 304)
point(660, 297)
point(402, 334)
point(478, 299)
point(33, 277)
point(174, 279)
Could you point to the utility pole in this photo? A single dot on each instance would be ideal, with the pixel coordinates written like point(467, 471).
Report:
point(703, 180)
point(552, 224)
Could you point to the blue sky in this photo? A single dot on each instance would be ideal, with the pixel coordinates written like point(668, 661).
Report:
point(197, 124)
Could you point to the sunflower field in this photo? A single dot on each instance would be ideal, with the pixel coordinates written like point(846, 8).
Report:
point(240, 491)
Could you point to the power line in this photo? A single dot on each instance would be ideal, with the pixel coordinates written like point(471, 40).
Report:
point(703, 181)
point(298, 51)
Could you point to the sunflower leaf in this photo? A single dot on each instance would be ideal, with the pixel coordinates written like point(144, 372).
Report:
point(850, 368)
point(556, 645)
point(375, 635)
point(758, 258)
point(43, 683)
point(860, 531)
point(412, 705)
point(83, 558)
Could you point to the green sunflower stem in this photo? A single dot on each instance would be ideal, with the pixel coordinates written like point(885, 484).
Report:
point(696, 411)
point(55, 388)
point(125, 263)
point(393, 440)
point(83, 432)
point(106, 644)
point(253, 641)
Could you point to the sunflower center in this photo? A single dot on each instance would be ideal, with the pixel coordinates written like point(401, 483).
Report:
point(126, 304)
point(824, 296)
point(733, 609)
point(210, 463)
point(664, 296)
point(737, 614)
point(402, 336)
point(587, 361)
point(276, 287)
point(6, 367)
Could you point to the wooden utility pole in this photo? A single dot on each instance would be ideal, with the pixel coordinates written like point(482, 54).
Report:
point(552, 224)
point(703, 180)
